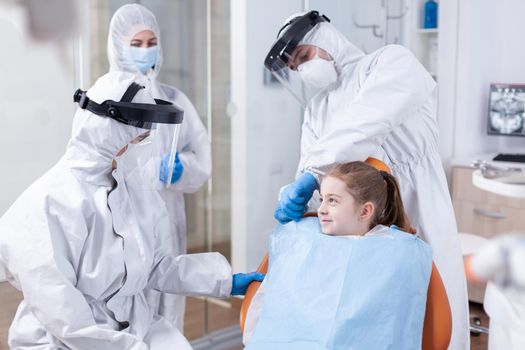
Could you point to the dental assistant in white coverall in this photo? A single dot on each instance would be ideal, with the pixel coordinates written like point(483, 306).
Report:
point(134, 45)
point(380, 105)
point(81, 243)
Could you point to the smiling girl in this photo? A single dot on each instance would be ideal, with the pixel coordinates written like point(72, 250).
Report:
point(357, 199)
point(314, 281)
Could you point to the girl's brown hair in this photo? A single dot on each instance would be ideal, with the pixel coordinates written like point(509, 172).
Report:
point(367, 184)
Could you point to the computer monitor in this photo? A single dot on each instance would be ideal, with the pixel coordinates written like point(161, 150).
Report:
point(506, 110)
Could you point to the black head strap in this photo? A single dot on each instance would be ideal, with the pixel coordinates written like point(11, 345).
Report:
point(141, 115)
point(131, 92)
point(289, 37)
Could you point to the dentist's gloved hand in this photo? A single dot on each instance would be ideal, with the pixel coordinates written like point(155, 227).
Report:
point(241, 281)
point(178, 168)
point(294, 198)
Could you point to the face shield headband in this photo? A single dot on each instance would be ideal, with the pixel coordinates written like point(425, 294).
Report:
point(140, 115)
point(289, 37)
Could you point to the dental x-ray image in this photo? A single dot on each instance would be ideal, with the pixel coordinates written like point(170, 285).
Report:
point(506, 110)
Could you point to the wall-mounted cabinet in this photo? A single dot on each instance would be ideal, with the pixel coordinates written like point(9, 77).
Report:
point(483, 214)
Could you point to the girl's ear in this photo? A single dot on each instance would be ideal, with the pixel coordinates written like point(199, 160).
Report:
point(367, 211)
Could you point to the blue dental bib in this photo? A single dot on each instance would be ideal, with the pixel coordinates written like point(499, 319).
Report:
point(327, 292)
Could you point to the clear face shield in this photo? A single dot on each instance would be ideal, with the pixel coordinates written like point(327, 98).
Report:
point(136, 161)
point(140, 160)
point(292, 63)
point(148, 159)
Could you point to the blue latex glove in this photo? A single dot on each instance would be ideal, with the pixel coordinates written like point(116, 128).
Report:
point(241, 281)
point(294, 198)
point(178, 168)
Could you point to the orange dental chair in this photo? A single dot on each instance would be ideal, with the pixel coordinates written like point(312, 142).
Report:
point(437, 326)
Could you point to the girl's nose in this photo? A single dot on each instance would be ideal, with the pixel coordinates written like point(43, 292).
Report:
point(321, 210)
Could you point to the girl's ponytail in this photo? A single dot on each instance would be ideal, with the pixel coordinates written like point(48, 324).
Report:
point(394, 210)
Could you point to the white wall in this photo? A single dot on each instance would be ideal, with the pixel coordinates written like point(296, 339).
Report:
point(265, 128)
point(447, 68)
point(481, 42)
point(345, 15)
point(36, 103)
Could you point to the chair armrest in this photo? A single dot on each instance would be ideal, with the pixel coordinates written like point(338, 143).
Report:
point(250, 292)
point(437, 328)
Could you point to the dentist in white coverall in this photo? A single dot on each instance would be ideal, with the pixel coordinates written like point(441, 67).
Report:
point(380, 105)
point(134, 45)
point(81, 243)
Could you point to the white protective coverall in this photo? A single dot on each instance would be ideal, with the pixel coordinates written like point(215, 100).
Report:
point(82, 245)
point(383, 105)
point(193, 148)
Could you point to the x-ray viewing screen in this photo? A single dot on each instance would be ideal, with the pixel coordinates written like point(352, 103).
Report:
point(506, 109)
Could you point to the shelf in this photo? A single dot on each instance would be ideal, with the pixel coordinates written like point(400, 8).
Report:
point(427, 31)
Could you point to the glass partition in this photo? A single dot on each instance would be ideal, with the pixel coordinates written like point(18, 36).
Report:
point(195, 42)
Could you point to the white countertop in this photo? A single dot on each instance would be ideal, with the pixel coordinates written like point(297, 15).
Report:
point(502, 188)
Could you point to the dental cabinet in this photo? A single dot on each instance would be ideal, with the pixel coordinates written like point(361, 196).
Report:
point(483, 213)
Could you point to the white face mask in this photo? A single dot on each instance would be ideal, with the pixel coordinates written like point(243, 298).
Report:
point(318, 72)
point(144, 58)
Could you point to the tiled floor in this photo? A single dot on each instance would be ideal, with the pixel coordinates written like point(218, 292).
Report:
point(221, 314)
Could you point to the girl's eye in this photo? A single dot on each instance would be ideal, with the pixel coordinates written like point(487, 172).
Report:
point(332, 201)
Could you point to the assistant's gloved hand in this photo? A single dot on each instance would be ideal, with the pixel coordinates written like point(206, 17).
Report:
point(178, 168)
point(241, 281)
point(294, 198)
